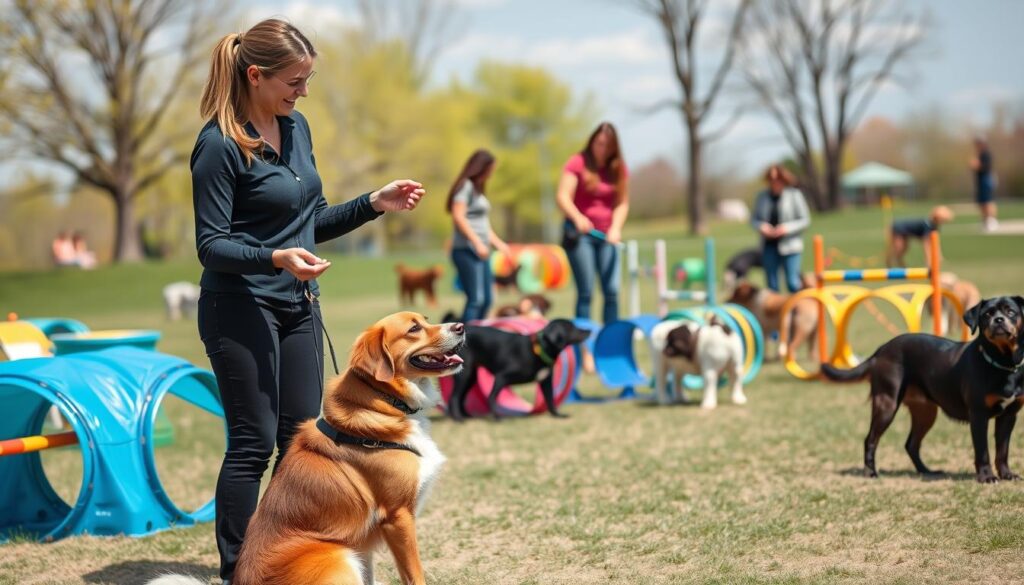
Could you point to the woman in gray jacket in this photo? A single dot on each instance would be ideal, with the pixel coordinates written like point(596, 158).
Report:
point(780, 216)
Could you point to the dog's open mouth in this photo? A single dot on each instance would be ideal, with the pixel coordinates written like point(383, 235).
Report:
point(436, 361)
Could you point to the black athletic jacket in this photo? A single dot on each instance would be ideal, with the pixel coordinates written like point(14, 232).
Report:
point(244, 213)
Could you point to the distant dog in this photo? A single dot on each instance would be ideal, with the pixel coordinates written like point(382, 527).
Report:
point(533, 305)
point(738, 267)
point(767, 305)
point(181, 299)
point(508, 280)
point(970, 382)
point(513, 359)
point(965, 292)
point(411, 280)
point(708, 350)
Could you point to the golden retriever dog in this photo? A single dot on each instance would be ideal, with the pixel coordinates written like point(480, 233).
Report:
point(767, 305)
point(355, 479)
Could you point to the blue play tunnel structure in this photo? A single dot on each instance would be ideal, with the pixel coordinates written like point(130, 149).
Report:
point(110, 398)
point(613, 344)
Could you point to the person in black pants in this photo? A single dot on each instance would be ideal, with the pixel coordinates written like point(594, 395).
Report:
point(260, 211)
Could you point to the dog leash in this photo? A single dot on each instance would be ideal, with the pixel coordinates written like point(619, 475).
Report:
point(314, 300)
point(339, 437)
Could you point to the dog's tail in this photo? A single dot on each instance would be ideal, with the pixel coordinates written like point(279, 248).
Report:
point(856, 374)
point(175, 580)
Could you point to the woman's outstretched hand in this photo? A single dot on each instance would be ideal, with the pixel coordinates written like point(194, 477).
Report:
point(400, 195)
point(300, 262)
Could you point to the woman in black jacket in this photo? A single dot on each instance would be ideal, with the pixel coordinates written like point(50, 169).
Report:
point(260, 211)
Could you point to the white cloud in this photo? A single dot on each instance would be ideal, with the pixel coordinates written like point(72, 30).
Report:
point(310, 17)
point(985, 94)
point(480, 3)
point(635, 47)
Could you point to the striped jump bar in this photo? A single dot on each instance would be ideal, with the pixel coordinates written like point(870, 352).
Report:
point(37, 443)
point(876, 274)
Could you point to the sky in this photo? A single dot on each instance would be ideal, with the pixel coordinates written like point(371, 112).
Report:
point(617, 55)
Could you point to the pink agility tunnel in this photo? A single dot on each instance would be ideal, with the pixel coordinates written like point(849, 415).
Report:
point(509, 403)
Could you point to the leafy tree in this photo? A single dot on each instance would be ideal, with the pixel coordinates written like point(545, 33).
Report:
point(532, 123)
point(87, 84)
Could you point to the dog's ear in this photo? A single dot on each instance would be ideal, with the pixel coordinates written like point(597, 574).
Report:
point(972, 315)
point(683, 342)
point(1020, 303)
point(371, 355)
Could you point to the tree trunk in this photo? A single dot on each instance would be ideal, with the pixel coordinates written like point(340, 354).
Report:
point(695, 199)
point(833, 174)
point(127, 245)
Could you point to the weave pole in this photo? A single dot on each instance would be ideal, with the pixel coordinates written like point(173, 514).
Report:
point(935, 265)
point(37, 443)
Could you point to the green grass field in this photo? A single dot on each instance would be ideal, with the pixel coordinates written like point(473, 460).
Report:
point(621, 492)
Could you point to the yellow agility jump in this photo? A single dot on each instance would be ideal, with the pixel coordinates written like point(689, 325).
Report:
point(839, 301)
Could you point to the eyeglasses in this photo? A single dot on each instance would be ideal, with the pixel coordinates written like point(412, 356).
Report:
point(296, 83)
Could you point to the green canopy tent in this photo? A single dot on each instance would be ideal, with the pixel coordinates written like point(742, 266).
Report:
point(868, 182)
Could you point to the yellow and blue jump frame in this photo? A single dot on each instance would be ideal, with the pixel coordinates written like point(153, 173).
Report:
point(838, 302)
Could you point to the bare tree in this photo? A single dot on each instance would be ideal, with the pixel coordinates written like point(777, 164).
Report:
point(87, 85)
point(424, 26)
point(816, 65)
point(681, 23)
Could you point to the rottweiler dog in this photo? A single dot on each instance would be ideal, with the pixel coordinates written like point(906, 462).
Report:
point(513, 359)
point(970, 382)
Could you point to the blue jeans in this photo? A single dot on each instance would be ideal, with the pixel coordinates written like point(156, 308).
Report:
point(790, 264)
point(591, 257)
point(477, 281)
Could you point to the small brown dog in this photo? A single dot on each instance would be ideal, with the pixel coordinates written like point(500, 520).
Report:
point(965, 292)
point(534, 305)
point(412, 279)
point(767, 305)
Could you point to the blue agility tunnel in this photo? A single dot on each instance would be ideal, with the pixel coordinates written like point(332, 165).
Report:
point(110, 399)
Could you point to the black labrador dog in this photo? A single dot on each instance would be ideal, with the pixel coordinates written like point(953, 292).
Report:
point(971, 382)
point(513, 359)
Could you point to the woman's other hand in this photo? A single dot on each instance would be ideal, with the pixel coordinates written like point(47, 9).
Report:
point(614, 236)
point(300, 263)
point(400, 195)
point(583, 225)
point(482, 250)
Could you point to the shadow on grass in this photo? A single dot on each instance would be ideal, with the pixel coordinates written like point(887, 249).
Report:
point(139, 572)
point(938, 476)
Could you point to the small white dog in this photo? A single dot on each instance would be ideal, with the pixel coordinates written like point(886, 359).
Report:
point(181, 300)
point(708, 351)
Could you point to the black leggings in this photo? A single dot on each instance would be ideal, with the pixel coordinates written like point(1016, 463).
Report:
point(268, 359)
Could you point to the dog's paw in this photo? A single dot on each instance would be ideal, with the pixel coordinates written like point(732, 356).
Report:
point(868, 472)
point(739, 399)
point(708, 405)
point(987, 477)
point(1009, 476)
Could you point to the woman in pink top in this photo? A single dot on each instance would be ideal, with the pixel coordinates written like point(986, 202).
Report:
point(594, 197)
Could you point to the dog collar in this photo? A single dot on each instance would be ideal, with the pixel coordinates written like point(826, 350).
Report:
point(339, 437)
point(397, 403)
point(994, 363)
point(539, 351)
